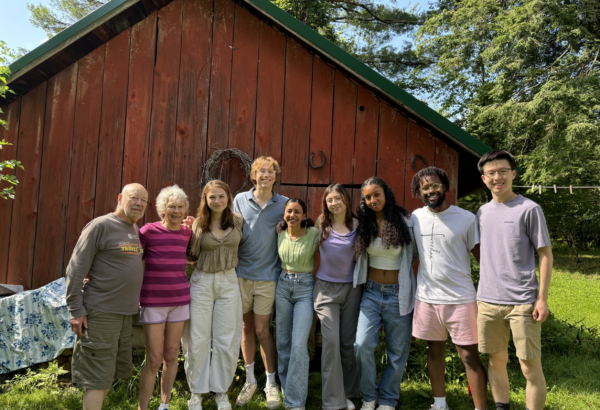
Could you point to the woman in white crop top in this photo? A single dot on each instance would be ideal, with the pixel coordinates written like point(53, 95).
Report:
point(383, 248)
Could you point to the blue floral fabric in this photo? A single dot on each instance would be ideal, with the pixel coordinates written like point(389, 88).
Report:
point(34, 326)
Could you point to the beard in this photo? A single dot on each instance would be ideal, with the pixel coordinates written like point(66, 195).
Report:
point(437, 203)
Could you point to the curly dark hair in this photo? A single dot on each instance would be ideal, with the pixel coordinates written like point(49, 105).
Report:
point(415, 186)
point(394, 231)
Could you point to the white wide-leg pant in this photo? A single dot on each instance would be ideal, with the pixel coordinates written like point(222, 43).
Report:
point(215, 323)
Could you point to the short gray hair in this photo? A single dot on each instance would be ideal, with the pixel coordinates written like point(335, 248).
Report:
point(171, 192)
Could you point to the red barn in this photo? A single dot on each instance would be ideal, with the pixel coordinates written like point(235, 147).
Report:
point(146, 91)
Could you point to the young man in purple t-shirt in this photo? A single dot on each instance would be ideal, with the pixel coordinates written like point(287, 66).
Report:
point(509, 297)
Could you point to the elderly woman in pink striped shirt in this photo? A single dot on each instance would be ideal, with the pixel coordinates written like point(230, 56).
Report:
point(165, 296)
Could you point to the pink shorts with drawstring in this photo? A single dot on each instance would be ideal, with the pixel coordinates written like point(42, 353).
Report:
point(433, 322)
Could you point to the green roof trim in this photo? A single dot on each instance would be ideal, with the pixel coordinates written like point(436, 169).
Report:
point(67, 34)
point(371, 76)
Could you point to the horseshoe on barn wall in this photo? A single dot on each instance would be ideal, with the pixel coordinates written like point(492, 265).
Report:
point(413, 162)
point(310, 161)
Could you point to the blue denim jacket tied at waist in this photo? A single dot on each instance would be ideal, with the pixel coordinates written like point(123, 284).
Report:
point(407, 284)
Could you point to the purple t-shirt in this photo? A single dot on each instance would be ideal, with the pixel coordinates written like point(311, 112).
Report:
point(510, 233)
point(337, 258)
point(165, 281)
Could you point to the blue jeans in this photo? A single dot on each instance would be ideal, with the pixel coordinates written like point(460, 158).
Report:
point(379, 305)
point(294, 316)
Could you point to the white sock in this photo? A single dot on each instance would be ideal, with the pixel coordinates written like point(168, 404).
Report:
point(250, 373)
point(163, 406)
point(271, 378)
point(440, 402)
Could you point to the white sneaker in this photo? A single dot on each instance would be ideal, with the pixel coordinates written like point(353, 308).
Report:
point(368, 405)
point(273, 396)
point(385, 407)
point(350, 405)
point(246, 394)
point(295, 408)
point(195, 403)
point(435, 407)
point(222, 401)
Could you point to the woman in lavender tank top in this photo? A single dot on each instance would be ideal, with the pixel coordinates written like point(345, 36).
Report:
point(336, 301)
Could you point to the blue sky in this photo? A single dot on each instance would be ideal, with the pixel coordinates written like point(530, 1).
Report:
point(16, 30)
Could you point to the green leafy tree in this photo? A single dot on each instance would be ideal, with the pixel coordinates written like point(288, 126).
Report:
point(522, 75)
point(6, 192)
point(61, 14)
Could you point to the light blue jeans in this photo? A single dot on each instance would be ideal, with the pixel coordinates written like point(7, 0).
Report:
point(379, 305)
point(294, 316)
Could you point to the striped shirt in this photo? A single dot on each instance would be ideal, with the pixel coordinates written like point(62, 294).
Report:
point(165, 281)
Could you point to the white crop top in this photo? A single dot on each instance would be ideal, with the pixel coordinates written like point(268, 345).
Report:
point(381, 258)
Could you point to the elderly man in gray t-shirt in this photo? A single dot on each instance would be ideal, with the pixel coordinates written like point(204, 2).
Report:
point(109, 250)
point(512, 229)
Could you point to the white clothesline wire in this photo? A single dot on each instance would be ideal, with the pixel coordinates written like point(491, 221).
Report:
point(570, 187)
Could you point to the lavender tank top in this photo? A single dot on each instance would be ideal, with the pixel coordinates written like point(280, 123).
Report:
point(337, 258)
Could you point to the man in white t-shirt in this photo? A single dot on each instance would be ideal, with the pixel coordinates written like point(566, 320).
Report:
point(446, 301)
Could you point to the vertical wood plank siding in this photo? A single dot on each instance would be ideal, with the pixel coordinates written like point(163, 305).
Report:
point(161, 158)
point(54, 179)
point(152, 104)
point(243, 92)
point(112, 123)
point(321, 121)
point(84, 157)
point(192, 109)
point(8, 152)
point(25, 206)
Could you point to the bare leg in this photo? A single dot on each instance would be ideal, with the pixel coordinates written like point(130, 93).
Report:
point(267, 344)
point(436, 367)
point(475, 374)
point(154, 337)
point(248, 338)
point(535, 392)
point(93, 399)
point(498, 376)
point(173, 333)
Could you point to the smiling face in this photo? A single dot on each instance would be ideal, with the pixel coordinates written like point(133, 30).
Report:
point(293, 214)
point(433, 192)
point(133, 202)
point(265, 176)
point(216, 199)
point(335, 203)
point(175, 211)
point(374, 197)
point(498, 177)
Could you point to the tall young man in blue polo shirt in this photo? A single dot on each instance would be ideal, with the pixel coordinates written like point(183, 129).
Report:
point(258, 270)
point(509, 297)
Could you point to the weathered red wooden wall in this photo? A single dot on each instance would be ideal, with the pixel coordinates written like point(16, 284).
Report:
point(152, 104)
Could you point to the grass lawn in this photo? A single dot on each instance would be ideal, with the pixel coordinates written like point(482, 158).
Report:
point(571, 362)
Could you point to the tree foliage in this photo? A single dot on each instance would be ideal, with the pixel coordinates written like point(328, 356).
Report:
point(9, 191)
point(61, 14)
point(522, 75)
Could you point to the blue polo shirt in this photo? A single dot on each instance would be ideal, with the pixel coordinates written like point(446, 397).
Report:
point(258, 257)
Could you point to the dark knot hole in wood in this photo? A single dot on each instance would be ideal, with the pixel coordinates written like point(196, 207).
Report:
point(310, 160)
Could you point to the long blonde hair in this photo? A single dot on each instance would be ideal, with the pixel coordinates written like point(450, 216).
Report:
point(203, 220)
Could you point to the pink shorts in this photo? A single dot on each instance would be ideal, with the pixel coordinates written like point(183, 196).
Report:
point(153, 315)
point(433, 322)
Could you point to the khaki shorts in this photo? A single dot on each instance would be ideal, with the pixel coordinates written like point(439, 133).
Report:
point(257, 296)
point(103, 353)
point(495, 322)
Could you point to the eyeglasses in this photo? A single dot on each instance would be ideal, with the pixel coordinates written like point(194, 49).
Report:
point(432, 187)
point(502, 172)
point(266, 172)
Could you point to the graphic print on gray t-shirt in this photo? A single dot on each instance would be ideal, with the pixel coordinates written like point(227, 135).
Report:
point(444, 242)
point(510, 234)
